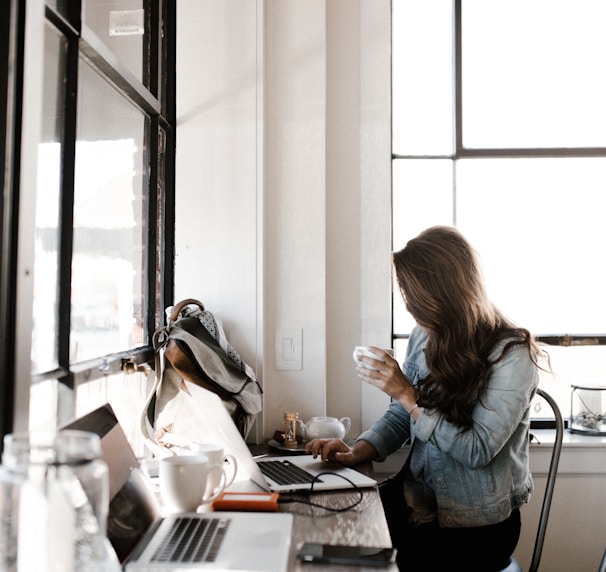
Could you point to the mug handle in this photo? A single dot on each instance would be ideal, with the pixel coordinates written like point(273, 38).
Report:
point(231, 460)
point(220, 487)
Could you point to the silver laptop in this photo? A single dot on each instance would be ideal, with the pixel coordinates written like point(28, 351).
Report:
point(143, 539)
point(217, 426)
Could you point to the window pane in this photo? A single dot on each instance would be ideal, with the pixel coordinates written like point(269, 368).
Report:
point(120, 25)
point(422, 77)
point(532, 73)
point(539, 227)
point(59, 5)
point(399, 350)
point(422, 197)
point(126, 393)
point(565, 364)
point(44, 334)
point(108, 278)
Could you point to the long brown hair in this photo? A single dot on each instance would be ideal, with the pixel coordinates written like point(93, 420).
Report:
point(441, 281)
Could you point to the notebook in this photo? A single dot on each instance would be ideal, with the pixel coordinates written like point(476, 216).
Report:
point(218, 427)
point(146, 540)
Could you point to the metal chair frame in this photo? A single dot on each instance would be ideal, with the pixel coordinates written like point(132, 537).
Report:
point(549, 488)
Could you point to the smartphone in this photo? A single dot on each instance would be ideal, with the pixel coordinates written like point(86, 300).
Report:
point(344, 554)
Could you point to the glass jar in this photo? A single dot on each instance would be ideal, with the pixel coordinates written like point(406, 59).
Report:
point(588, 409)
point(54, 497)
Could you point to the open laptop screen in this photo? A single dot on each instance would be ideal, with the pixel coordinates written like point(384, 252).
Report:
point(133, 507)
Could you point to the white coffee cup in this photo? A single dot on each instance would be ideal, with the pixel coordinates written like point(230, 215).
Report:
point(365, 351)
point(183, 481)
point(217, 458)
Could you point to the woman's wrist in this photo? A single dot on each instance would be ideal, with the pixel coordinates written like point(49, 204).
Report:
point(415, 406)
point(363, 451)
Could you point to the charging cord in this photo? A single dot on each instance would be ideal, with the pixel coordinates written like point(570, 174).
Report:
point(324, 507)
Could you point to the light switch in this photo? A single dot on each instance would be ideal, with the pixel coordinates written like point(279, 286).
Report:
point(289, 349)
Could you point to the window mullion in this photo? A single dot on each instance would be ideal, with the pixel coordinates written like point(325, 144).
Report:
point(67, 210)
point(458, 79)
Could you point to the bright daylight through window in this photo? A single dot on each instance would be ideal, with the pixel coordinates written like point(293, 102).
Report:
point(499, 127)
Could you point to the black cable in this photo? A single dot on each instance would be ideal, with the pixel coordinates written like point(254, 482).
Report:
point(329, 508)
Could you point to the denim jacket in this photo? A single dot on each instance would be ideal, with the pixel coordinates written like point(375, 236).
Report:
point(479, 475)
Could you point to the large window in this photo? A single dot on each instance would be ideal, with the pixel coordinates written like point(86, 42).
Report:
point(499, 127)
point(103, 205)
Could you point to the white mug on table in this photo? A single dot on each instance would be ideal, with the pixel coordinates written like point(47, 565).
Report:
point(184, 480)
point(217, 458)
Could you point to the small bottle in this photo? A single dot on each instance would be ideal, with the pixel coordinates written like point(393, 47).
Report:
point(290, 430)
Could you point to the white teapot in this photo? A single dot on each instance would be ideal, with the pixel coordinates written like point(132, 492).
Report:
point(323, 427)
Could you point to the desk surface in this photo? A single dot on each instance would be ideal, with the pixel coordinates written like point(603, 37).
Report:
point(363, 525)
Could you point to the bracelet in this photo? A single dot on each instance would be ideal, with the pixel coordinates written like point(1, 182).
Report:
point(413, 408)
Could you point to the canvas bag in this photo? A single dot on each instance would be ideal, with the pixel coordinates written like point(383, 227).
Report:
point(193, 346)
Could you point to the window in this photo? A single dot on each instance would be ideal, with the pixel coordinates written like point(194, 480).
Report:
point(104, 205)
point(499, 127)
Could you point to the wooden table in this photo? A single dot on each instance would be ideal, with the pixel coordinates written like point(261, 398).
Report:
point(363, 525)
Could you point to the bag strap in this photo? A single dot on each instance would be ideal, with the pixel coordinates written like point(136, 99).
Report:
point(161, 337)
point(159, 340)
point(177, 308)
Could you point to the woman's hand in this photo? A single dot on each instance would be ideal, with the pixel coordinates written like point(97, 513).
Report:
point(331, 450)
point(388, 377)
point(338, 450)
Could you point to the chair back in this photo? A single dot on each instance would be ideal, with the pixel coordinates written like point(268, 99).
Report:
point(514, 565)
point(551, 478)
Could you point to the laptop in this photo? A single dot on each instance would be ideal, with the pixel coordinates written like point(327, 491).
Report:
point(146, 540)
point(216, 425)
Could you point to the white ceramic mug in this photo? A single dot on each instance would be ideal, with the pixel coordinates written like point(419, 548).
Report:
point(365, 351)
point(217, 458)
point(184, 479)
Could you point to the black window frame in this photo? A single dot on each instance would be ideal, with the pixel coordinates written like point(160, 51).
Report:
point(156, 99)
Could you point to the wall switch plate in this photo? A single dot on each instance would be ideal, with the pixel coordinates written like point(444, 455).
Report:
point(289, 349)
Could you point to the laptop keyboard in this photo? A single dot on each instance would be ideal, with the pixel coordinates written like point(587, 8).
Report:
point(285, 473)
point(193, 540)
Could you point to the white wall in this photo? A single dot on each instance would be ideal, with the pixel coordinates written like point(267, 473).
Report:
point(283, 188)
point(218, 234)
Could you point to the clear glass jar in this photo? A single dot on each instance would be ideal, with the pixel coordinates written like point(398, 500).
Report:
point(588, 409)
point(54, 499)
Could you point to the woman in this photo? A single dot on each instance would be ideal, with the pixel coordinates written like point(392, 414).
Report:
point(462, 398)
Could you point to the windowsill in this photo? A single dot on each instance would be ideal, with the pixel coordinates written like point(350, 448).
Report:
point(581, 454)
point(547, 436)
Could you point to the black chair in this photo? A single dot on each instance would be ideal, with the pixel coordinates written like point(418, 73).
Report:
point(514, 565)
